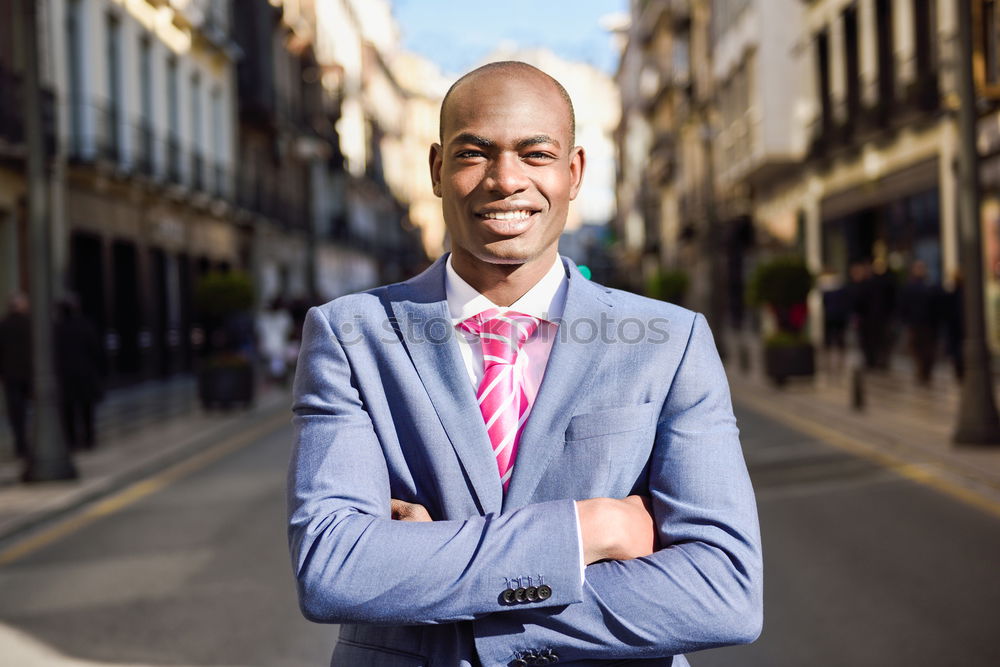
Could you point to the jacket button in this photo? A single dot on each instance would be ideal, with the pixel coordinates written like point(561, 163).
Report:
point(544, 592)
point(508, 596)
point(531, 593)
point(518, 662)
point(520, 594)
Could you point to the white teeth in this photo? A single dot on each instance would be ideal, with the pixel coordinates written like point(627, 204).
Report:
point(507, 215)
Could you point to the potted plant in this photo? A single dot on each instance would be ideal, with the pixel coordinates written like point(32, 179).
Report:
point(668, 285)
point(223, 302)
point(781, 285)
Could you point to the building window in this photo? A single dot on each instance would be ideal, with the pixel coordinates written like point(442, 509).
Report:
point(991, 43)
point(74, 65)
point(852, 69)
point(173, 121)
point(197, 167)
point(218, 142)
point(114, 114)
point(144, 145)
point(885, 56)
point(823, 79)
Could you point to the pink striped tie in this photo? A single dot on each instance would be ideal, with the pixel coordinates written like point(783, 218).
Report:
point(502, 399)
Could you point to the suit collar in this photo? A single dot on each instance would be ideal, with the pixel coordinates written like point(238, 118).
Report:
point(420, 307)
point(569, 374)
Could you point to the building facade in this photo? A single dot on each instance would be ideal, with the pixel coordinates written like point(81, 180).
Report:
point(833, 132)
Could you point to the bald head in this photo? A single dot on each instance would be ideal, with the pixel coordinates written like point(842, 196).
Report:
point(507, 70)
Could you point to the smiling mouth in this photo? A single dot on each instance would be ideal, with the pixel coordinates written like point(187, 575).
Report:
point(507, 223)
point(523, 214)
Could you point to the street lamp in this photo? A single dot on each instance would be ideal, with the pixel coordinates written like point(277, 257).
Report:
point(977, 416)
point(48, 458)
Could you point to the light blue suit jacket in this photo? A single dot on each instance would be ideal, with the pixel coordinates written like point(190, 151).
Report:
point(634, 400)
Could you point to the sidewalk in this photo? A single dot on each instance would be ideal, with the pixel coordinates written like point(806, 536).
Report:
point(140, 430)
point(903, 425)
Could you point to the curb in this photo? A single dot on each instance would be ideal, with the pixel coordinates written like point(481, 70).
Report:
point(902, 453)
point(84, 492)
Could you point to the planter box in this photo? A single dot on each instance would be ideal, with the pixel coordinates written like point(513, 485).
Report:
point(226, 386)
point(785, 361)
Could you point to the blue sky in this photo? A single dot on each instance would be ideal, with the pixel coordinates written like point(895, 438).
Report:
point(457, 34)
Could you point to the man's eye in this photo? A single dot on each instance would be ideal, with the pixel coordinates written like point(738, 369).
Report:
point(538, 155)
point(465, 155)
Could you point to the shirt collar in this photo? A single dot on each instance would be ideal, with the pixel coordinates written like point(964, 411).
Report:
point(546, 300)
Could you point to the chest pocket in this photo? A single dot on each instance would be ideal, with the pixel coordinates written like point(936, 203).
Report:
point(612, 421)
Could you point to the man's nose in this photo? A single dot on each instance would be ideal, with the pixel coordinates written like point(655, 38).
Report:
point(506, 175)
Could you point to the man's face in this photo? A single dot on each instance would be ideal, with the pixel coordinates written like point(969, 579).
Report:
point(506, 171)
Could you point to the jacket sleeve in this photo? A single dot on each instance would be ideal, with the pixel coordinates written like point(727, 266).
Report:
point(704, 587)
point(353, 564)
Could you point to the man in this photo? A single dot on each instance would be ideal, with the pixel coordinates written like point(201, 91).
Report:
point(501, 463)
point(79, 370)
point(15, 368)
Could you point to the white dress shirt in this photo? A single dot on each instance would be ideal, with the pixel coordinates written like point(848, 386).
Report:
point(546, 300)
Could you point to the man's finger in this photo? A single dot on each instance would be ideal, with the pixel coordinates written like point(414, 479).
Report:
point(404, 511)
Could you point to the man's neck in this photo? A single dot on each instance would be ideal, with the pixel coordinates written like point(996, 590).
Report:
point(503, 284)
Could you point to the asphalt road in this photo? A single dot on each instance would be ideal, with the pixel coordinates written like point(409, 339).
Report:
point(195, 574)
point(862, 568)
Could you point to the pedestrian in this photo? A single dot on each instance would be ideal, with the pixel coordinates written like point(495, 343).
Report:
point(919, 306)
point(15, 368)
point(883, 295)
point(836, 319)
point(862, 304)
point(600, 515)
point(953, 312)
point(274, 328)
point(79, 369)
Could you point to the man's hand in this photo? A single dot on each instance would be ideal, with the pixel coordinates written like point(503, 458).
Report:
point(404, 511)
point(616, 529)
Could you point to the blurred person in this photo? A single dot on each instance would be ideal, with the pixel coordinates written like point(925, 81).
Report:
point(600, 516)
point(919, 309)
point(863, 313)
point(79, 373)
point(953, 312)
point(15, 368)
point(274, 329)
point(882, 292)
point(836, 318)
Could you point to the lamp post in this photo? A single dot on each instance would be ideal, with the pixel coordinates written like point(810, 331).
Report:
point(977, 416)
point(48, 458)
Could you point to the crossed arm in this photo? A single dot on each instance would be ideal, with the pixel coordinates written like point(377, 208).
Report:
point(700, 588)
point(610, 529)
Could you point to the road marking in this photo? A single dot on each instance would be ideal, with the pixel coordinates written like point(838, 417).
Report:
point(139, 490)
point(920, 473)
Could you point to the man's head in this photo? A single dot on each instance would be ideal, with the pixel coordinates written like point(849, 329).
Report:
point(506, 168)
point(18, 303)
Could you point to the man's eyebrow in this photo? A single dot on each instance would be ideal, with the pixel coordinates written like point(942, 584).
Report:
point(537, 139)
point(483, 142)
point(475, 139)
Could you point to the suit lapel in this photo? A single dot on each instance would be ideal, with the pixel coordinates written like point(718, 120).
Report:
point(420, 307)
point(568, 375)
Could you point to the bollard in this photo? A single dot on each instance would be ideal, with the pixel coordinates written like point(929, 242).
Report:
point(857, 388)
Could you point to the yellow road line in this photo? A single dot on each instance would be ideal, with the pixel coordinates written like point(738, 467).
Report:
point(912, 471)
point(141, 489)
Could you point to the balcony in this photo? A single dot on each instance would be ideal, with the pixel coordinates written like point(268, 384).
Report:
point(197, 171)
point(143, 151)
point(174, 160)
point(220, 187)
point(12, 128)
point(108, 122)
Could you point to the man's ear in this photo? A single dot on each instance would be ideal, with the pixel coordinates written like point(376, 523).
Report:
point(435, 164)
point(577, 163)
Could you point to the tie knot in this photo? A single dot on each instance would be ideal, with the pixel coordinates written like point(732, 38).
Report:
point(502, 332)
